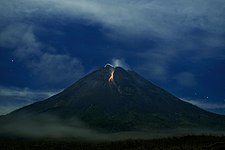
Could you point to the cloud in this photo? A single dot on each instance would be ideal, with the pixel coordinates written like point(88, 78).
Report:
point(13, 98)
point(24, 93)
point(7, 109)
point(155, 71)
point(157, 62)
point(120, 63)
point(57, 68)
point(42, 60)
point(158, 18)
point(186, 79)
point(194, 29)
point(19, 34)
point(205, 105)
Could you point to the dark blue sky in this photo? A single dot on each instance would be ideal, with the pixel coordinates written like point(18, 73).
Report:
point(47, 45)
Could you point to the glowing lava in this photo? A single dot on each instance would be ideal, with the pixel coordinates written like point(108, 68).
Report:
point(111, 78)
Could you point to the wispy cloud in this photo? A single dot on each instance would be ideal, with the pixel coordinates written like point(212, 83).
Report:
point(186, 79)
point(206, 105)
point(12, 98)
point(41, 59)
point(157, 62)
point(194, 29)
point(25, 93)
point(9, 108)
point(159, 18)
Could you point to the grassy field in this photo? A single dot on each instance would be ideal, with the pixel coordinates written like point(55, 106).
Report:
point(182, 143)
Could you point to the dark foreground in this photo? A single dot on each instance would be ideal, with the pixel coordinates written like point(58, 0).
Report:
point(183, 143)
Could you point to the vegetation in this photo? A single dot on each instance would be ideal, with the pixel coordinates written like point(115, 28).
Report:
point(182, 143)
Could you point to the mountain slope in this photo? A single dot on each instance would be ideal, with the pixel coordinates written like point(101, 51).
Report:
point(113, 100)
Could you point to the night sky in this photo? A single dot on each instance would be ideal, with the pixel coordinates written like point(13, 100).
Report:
point(46, 45)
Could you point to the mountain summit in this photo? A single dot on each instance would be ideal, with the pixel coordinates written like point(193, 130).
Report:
point(112, 99)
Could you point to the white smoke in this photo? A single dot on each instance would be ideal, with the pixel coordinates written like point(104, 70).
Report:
point(120, 63)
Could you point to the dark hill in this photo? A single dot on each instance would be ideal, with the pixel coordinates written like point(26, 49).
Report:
point(113, 100)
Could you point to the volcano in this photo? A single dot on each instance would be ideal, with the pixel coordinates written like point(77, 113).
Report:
point(112, 99)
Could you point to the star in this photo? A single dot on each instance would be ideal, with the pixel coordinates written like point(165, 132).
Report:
point(12, 60)
point(207, 97)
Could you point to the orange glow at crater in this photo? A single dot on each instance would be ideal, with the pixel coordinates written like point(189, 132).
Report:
point(111, 77)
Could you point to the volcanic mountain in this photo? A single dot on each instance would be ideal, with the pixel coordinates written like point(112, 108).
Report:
point(112, 99)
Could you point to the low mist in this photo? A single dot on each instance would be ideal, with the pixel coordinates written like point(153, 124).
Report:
point(46, 126)
point(49, 126)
